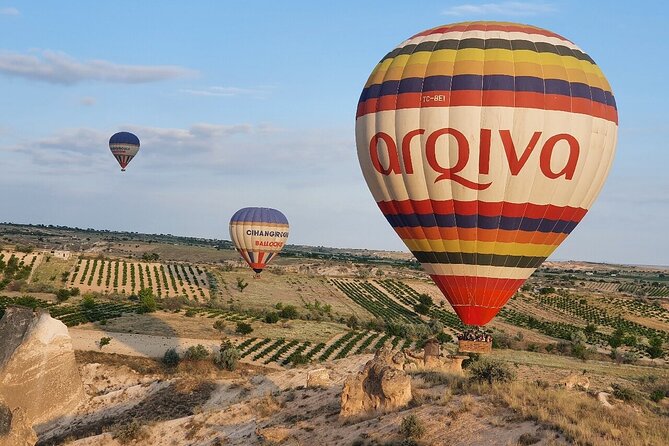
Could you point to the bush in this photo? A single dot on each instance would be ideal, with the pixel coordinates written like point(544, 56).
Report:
point(425, 299)
point(171, 358)
point(147, 300)
point(490, 371)
point(129, 432)
point(289, 312)
point(219, 325)
point(655, 347)
point(227, 356)
point(104, 341)
point(62, 295)
point(88, 302)
point(352, 322)
point(421, 308)
point(243, 328)
point(196, 353)
point(412, 427)
point(272, 318)
point(190, 312)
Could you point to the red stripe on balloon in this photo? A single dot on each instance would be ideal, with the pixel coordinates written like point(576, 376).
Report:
point(476, 300)
point(485, 208)
point(490, 27)
point(517, 99)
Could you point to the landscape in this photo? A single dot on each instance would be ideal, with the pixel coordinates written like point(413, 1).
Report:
point(587, 345)
point(342, 223)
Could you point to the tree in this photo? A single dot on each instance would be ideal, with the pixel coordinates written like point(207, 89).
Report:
point(104, 341)
point(590, 329)
point(655, 347)
point(171, 358)
point(227, 357)
point(62, 295)
point(272, 317)
point(241, 284)
point(616, 339)
point(88, 302)
point(289, 312)
point(425, 299)
point(147, 300)
point(196, 353)
point(421, 308)
point(243, 328)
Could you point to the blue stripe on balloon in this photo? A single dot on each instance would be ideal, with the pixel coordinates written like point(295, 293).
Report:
point(482, 222)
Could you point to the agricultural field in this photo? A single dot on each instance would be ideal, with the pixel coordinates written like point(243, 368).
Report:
point(17, 265)
point(120, 276)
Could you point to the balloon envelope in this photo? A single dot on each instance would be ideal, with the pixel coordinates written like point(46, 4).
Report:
point(259, 234)
point(484, 144)
point(124, 146)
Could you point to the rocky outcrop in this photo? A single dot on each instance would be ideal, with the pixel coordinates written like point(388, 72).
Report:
point(578, 382)
point(381, 386)
point(318, 378)
point(15, 429)
point(38, 371)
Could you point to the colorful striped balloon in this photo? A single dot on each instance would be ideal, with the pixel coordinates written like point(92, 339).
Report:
point(124, 146)
point(484, 144)
point(259, 234)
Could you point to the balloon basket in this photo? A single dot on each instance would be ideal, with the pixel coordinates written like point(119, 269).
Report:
point(465, 346)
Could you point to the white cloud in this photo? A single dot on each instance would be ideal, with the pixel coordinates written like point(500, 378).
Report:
point(516, 9)
point(9, 11)
point(259, 92)
point(200, 148)
point(60, 68)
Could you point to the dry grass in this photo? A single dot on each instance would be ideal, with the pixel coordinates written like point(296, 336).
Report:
point(582, 419)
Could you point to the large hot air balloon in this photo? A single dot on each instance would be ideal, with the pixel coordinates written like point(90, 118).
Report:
point(124, 146)
point(484, 144)
point(259, 234)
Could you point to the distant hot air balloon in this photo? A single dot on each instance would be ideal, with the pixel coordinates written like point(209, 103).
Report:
point(484, 144)
point(124, 146)
point(259, 234)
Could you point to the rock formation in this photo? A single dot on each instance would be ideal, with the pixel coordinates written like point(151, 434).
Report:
point(15, 429)
point(318, 378)
point(381, 386)
point(38, 371)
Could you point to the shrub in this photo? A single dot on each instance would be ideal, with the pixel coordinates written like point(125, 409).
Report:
point(352, 322)
point(412, 427)
point(219, 325)
point(104, 341)
point(272, 318)
point(147, 300)
point(62, 295)
point(190, 312)
point(299, 359)
point(243, 328)
point(655, 347)
point(129, 432)
point(425, 299)
point(490, 371)
point(501, 340)
point(88, 302)
point(241, 284)
point(421, 308)
point(288, 312)
point(171, 358)
point(196, 353)
point(227, 356)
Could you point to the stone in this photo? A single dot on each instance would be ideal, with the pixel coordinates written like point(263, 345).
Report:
point(603, 399)
point(318, 378)
point(273, 435)
point(38, 370)
point(380, 387)
point(15, 430)
point(578, 382)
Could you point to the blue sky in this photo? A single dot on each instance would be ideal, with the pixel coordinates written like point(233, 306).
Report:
point(253, 103)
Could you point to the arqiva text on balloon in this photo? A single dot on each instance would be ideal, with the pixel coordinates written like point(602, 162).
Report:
point(516, 163)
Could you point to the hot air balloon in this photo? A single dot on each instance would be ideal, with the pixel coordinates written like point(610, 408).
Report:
point(484, 144)
point(124, 146)
point(259, 234)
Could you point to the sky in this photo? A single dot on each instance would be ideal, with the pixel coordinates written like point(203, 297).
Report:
point(253, 104)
